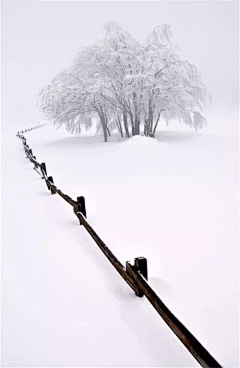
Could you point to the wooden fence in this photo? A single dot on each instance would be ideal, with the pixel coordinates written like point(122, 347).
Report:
point(135, 275)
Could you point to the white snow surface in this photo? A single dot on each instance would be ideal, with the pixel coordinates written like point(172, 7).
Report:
point(141, 141)
point(172, 200)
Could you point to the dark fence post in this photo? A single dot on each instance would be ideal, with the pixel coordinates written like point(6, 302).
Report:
point(48, 186)
point(43, 169)
point(141, 265)
point(81, 206)
point(50, 178)
point(138, 292)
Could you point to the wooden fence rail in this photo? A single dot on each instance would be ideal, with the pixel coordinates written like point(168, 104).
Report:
point(136, 275)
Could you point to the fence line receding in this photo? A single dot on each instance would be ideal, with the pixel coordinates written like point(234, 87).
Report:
point(135, 275)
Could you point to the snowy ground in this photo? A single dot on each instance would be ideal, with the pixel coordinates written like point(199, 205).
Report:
point(173, 201)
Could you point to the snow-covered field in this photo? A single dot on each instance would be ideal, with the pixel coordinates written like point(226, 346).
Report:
point(172, 200)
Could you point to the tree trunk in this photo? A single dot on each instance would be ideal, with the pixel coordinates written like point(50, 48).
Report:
point(104, 130)
point(125, 123)
point(108, 131)
point(156, 124)
point(119, 125)
point(137, 127)
point(145, 127)
point(136, 117)
point(103, 123)
point(106, 123)
point(150, 117)
point(132, 124)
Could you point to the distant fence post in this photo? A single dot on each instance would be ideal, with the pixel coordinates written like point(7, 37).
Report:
point(43, 169)
point(50, 178)
point(81, 207)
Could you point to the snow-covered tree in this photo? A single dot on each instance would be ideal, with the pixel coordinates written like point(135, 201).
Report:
point(173, 88)
point(126, 85)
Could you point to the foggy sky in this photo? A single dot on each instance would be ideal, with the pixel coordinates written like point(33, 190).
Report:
point(39, 38)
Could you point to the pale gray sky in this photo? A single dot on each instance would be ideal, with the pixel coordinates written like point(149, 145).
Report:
point(39, 38)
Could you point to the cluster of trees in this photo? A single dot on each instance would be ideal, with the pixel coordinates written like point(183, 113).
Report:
point(126, 85)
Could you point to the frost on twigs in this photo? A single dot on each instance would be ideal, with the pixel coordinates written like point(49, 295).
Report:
point(121, 84)
point(198, 121)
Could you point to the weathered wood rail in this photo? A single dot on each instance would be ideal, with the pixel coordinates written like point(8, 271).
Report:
point(136, 275)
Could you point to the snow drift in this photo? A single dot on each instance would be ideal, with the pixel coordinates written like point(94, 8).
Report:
point(141, 141)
